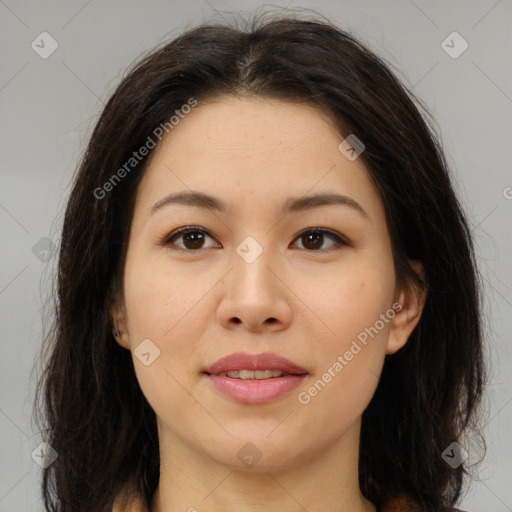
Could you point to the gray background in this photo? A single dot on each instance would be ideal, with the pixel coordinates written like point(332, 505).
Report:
point(48, 107)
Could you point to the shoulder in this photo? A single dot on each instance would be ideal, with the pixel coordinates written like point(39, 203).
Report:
point(129, 502)
point(404, 503)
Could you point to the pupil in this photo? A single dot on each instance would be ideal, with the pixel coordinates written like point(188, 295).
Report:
point(316, 239)
point(193, 238)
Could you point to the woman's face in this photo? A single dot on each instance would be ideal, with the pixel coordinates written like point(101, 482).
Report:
point(253, 277)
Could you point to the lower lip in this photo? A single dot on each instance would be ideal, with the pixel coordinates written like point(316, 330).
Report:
point(256, 391)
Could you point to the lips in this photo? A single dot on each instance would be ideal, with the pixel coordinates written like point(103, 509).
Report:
point(259, 362)
point(254, 379)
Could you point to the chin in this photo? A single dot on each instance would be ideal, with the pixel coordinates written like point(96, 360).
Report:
point(259, 454)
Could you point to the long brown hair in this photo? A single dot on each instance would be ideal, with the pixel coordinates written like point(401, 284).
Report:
point(89, 400)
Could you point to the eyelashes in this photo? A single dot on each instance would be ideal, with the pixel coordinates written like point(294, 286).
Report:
point(193, 238)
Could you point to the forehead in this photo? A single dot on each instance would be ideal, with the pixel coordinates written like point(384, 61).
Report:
point(247, 127)
point(239, 148)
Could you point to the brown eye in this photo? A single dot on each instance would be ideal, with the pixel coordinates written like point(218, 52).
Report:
point(313, 239)
point(193, 238)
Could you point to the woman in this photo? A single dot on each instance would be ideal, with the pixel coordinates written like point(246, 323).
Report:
point(267, 294)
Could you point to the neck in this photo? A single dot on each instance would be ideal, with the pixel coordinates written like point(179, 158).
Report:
point(326, 481)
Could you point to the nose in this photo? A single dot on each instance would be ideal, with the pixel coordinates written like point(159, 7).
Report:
point(255, 295)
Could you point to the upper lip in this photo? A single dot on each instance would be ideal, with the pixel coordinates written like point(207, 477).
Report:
point(264, 361)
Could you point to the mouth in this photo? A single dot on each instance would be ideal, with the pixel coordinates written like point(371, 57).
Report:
point(254, 379)
point(253, 374)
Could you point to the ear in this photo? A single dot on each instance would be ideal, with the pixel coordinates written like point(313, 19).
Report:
point(118, 320)
point(412, 299)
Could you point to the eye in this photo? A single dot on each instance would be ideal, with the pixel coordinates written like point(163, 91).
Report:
point(193, 238)
point(312, 239)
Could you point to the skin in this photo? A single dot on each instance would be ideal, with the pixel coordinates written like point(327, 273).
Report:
point(304, 304)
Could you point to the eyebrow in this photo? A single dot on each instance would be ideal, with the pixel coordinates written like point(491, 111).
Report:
point(292, 204)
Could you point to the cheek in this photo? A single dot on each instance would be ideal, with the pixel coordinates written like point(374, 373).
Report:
point(161, 298)
point(160, 307)
point(169, 307)
point(355, 312)
point(352, 301)
point(350, 353)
